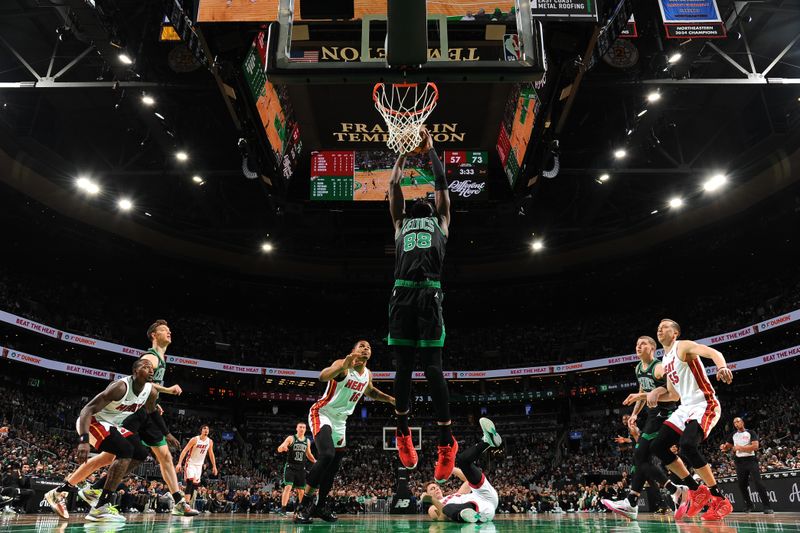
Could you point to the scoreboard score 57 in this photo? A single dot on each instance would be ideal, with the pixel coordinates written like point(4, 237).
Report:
point(464, 165)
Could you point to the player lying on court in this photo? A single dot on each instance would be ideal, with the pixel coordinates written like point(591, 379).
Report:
point(476, 500)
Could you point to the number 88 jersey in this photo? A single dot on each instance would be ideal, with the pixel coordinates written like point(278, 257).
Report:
point(419, 250)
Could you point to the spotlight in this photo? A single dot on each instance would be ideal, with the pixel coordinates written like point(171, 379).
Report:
point(125, 59)
point(197, 179)
point(603, 178)
point(715, 182)
point(124, 204)
point(88, 186)
point(148, 100)
point(654, 96)
point(674, 58)
point(537, 245)
point(642, 113)
point(181, 156)
point(620, 153)
point(267, 247)
point(654, 211)
point(159, 115)
point(676, 202)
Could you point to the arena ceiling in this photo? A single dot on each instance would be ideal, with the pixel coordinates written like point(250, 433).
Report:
point(70, 108)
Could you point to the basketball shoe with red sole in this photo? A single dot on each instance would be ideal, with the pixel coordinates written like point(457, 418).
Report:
point(445, 462)
point(694, 502)
point(718, 508)
point(406, 451)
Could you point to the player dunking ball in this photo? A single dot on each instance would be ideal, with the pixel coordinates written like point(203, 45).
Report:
point(476, 500)
point(416, 324)
point(195, 453)
point(692, 422)
point(297, 449)
point(348, 380)
point(100, 426)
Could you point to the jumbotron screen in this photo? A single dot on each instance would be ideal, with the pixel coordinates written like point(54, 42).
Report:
point(364, 176)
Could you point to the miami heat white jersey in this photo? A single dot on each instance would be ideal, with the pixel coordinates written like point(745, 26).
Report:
point(689, 379)
point(198, 455)
point(115, 412)
point(341, 397)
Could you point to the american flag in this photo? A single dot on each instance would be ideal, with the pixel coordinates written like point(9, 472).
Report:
point(304, 56)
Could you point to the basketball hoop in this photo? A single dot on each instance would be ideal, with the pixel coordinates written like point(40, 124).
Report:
point(404, 107)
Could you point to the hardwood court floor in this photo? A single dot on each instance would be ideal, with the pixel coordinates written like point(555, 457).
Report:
point(235, 523)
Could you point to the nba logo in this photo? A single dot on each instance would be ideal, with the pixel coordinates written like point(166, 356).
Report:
point(511, 47)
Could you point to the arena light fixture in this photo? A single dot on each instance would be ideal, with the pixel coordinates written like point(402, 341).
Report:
point(641, 113)
point(88, 186)
point(603, 178)
point(181, 156)
point(148, 100)
point(267, 247)
point(125, 59)
point(676, 202)
point(620, 153)
point(654, 96)
point(674, 58)
point(537, 245)
point(654, 211)
point(125, 204)
point(715, 182)
point(197, 179)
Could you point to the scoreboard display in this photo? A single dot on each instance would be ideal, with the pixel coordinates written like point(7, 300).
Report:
point(332, 175)
point(341, 176)
point(466, 173)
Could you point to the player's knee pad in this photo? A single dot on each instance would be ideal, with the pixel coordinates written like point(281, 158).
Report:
point(690, 445)
point(661, 449)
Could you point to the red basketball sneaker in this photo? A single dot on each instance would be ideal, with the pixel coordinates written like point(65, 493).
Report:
point(406, 451)
point(718, 508)
point(697, 500)
point(445, 462)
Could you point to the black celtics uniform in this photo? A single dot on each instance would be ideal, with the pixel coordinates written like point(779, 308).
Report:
point(653, 418)
point(140, 422)
point(415, 307)
point(294, 472)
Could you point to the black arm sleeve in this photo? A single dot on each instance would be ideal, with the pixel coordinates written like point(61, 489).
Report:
point(158, 420)
point(439, 179)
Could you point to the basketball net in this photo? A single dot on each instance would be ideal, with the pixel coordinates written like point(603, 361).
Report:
point(404, 107)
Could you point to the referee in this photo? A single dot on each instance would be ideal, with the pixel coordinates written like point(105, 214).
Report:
point(744, 443)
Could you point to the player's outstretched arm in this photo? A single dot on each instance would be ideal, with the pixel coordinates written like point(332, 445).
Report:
point(175, 390)
point(376, 394)
point(284, 447)
point(441, 189)
point(396, 200)
point(689, 349)
point(339, 367)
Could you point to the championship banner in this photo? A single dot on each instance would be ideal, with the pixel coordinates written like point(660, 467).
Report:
point(691, 19)
point(22, 322)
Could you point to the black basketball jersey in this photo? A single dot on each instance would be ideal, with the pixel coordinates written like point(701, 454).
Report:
point(647, 379)
point(297, 451)
point(419, 250)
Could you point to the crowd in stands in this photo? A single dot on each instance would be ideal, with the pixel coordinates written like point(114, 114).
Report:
point(473, 347)
point(541, 471)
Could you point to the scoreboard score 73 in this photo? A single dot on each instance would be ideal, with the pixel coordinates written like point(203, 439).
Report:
point(463, 165)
